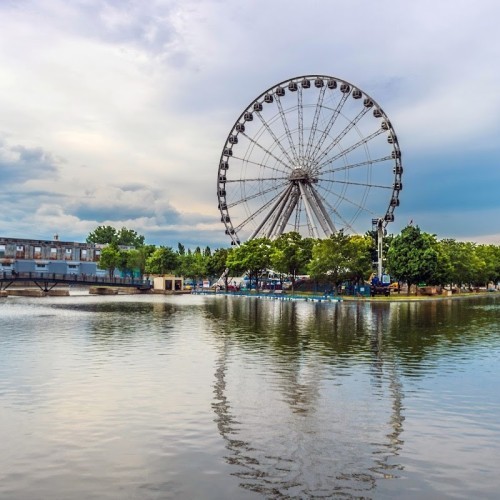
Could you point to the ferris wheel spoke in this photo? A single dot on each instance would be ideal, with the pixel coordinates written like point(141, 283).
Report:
point(343, 133)
point(255, 214)
point(333, 210)
point(287, 128)
point(256, 195)
point(343, 198)
point(356, 165)
point(314, 126)
point(351, 148)
point(260, 146)
point(300, 120)
point(276, 206)
point(258, 164)
point(257, 179)
point(352, 183)
point(275, 139)
point(329, 125)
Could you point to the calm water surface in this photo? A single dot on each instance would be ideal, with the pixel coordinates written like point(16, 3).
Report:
point(187, 397)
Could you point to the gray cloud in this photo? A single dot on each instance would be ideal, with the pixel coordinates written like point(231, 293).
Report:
point(19, 164)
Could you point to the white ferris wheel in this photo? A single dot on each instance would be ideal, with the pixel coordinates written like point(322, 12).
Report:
point(313, 154)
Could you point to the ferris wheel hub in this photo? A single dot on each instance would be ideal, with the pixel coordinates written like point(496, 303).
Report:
point(301, 174)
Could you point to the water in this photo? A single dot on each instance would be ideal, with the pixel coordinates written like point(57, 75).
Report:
point(187, 397)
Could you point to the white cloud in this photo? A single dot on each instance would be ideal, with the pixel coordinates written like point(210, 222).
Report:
point(146, 92)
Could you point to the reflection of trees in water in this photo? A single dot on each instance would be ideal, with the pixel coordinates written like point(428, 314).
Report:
point(428, 333)
point(116, 322)
point(304, 346)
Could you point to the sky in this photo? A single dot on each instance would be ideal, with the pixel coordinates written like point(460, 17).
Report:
point(116, 112)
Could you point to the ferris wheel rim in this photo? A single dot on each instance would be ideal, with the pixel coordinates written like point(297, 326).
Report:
point(236, 130)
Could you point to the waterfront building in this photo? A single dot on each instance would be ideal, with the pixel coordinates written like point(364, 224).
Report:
point(49, 256)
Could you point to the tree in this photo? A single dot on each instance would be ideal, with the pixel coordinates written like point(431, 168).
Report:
point(110, 259)
point(129, 238)
point(102, 235)
point(413, 256)
point(340, 258)
point(193, 265)
point(217, 264)
point(359, 261)
point(290, 255)
point(462, 262)
point(253, 256)
point(108, 234)
point(162, 261)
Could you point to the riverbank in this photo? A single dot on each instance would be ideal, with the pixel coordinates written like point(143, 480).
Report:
point(349, 298)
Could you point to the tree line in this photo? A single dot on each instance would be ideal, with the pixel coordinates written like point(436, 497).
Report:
point(412, 257)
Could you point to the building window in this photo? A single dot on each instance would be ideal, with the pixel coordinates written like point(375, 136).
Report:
point(41, 267)
point(20, 252)
point(37, 253)
point(2, 251)
point(68, 253)
point(53, 253)
point(84, 254)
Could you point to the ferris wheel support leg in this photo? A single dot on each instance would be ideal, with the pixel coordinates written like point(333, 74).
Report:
point(292, 203)
point(309, 209)
point(328, 226)
point(283, 196)
point(277, 216)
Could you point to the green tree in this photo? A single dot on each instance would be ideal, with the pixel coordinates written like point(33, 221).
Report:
point(217, 264)
point(108, 234)
point(359, 261)
point(129, 238)
point(102, 235)
point(162, 261)
point(110, 258)
point(290, 255)
point(340, 258)
point(193, 265)
point(463, 265)
point(413, 256)
point(253, 256)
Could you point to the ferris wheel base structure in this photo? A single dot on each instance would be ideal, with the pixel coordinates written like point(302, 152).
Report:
point(313, 154)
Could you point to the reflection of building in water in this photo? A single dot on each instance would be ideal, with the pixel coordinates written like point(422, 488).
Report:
point(300, 425)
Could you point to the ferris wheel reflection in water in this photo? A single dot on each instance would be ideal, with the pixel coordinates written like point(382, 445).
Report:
point(288, 435)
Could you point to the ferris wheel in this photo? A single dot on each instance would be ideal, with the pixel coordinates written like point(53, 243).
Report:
point(313, 154)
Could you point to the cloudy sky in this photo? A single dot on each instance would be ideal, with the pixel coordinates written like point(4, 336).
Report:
point(116, 112)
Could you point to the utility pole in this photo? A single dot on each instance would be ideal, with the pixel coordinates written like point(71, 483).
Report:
point(379, 225)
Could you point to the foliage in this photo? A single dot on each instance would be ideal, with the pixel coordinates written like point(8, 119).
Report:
point(129, 238)
point(108, 234)
point(290, 255)
point(413, 256)
point(254, 256)
point(340, 258)
point(110, 259)
point(192, 265)
point(162, 261)
point(102, 235)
